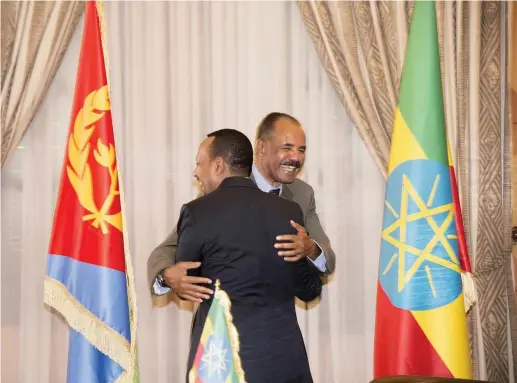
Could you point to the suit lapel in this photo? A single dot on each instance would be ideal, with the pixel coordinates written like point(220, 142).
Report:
point(286, 193)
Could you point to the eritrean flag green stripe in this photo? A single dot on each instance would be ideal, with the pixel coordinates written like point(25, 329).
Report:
point(420, 94)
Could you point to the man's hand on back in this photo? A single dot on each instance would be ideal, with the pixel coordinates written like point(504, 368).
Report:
point(184, 286)
point(298, 246)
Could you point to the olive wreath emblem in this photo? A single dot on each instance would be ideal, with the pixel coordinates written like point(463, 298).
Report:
point(95, 106)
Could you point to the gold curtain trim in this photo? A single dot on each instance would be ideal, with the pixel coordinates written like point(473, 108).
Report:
point(102, 337)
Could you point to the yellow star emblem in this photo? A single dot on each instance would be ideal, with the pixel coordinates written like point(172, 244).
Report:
point(215, 359)
point(405, 245)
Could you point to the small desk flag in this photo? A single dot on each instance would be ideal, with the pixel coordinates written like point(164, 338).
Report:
point(217, 358)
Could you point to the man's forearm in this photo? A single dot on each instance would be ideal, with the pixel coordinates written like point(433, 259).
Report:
point(157, 262)
point(163, 256)
point(319, 237)
point(320, 260)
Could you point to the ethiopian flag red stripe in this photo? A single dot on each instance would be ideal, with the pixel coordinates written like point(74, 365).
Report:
point(421, 326)
point(462, 242)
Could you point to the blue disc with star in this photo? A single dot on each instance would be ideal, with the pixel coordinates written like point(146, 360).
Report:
point(419, 265)
point(216, 361)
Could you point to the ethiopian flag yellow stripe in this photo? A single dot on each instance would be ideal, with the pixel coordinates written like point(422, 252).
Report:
point(208, 329)
point(404, 146)
point(446, 329)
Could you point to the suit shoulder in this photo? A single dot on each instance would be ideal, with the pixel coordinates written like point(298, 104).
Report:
point(196, 203)
point(290, 204)
point(299, 186)
point(282, 203)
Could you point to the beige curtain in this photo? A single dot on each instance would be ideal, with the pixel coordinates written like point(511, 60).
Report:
point(361, 46)
point(179, 70)
point(35, 35)
point(512, 69)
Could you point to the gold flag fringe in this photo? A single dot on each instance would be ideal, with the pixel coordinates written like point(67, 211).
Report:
point(469, 291)
point(105, 339)
point(224, 301)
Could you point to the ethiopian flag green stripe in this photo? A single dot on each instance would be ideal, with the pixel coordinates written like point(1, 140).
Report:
point(420, 94)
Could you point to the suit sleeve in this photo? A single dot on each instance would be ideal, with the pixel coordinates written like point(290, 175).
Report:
point(307, 282)
point(189, 238)
point(315, 231)
point(163, 256)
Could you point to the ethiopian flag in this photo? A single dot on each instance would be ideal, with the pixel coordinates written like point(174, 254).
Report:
point(217, 357)
point(421, 326)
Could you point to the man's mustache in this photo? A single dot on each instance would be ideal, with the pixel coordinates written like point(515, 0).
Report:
point(295, 164)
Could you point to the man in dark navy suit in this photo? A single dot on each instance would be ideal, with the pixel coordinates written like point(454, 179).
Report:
point(232, 231)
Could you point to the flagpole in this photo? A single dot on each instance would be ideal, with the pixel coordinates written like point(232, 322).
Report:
point(131, 290)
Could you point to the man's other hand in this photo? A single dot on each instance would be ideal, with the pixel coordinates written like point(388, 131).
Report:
point(184, 286)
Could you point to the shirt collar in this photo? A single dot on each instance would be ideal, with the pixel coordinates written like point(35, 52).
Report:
point(261, 182)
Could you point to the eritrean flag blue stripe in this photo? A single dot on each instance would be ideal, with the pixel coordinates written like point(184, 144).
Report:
point(86, 364)
point(101, 290)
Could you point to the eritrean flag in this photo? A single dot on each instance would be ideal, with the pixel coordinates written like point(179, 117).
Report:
point(421, 325)
point(89, 278)
point(217, 357)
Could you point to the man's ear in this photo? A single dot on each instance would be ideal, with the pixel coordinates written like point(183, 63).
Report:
point(219, 166)
point(261, 146)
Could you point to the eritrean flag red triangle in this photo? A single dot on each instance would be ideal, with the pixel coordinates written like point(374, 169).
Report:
point(421, 325)
point(86, 279)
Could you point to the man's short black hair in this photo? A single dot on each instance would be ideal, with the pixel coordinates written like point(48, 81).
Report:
point(267, 125)
point(234, 148)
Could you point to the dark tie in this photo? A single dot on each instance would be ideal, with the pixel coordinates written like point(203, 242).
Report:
point(275, 191)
